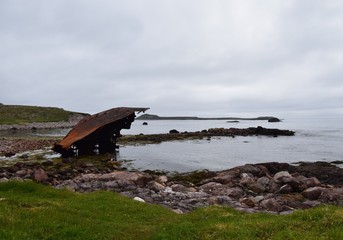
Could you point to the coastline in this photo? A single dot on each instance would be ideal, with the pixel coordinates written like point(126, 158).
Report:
point(266, 187)
point(269, 187)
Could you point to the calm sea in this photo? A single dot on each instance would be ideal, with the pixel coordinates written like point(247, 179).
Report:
point(319, 139)
point(315, 140)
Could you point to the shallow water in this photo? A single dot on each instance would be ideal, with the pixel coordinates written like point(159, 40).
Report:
point(315, 140)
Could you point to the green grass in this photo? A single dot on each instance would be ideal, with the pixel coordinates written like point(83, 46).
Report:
point(17, 114)
point(32, 211)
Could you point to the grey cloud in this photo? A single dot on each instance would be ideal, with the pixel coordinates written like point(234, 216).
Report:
point(186, 56)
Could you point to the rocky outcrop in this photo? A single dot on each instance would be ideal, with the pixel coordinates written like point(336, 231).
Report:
point(270, 187)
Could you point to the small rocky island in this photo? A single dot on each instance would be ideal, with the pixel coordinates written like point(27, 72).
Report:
point(156, 117)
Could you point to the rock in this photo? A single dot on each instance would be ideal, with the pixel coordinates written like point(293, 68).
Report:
point(162, 179)
point(220, 200)
point(178, 211)
point(250, 168)
point(310, 204)
point(247, 179)
point(265, 182)
point(139, 199)
point(271, 205)
point(155, 186)
point(3, 180)
point(111, 185)
point(312, 193)
point(145, 123)
point(227, 176)
point(21, 173)
point(9, 154)
point(312, 182)
point(248, 201)
point(39, 175)
point(174, 131)
point(286, 189)
point(282, 177)
point(180, 188)
point(257, 187)
point(298, 183)
point(209, 187)
point(235, 193)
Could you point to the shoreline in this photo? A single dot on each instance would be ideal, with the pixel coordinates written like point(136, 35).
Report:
point(9, 146)
point(267, 187)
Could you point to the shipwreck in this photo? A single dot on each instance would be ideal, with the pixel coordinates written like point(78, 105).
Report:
point(97, 133)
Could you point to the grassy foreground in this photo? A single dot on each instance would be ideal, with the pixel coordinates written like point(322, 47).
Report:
point(32, 211)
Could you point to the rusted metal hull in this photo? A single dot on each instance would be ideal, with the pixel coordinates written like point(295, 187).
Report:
point(98, 132)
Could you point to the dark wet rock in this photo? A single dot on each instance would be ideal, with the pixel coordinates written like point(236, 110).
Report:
point(174, 131)
point(284, 189)
point(9, 154)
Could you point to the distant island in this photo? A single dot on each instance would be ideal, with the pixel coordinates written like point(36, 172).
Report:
point(156, 117)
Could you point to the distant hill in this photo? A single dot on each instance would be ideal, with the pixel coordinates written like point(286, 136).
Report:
point(19, 114)
point(156, 117)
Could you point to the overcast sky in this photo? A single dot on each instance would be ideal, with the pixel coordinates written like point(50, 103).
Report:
point(178, 57)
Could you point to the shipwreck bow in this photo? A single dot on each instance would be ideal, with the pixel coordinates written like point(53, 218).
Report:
point(98, 132)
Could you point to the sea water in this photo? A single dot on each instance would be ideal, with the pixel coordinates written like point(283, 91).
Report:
point(317, 139)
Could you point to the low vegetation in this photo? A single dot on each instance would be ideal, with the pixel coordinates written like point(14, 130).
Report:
point(33, 211)
point(18, 114)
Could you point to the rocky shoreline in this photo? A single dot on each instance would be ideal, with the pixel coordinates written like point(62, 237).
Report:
point(269, 187)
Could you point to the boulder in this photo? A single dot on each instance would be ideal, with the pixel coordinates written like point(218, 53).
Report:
point(246, 179)
point(162, 179)
point(174, 131)
point(209, 187)
point(257, 188)
point(155, 186)
point(312, 193)
point(39, 175)
point(180, 188)
point(138, 199)
point(284, 189)
point(282, 177)
point(271, 205)
point(248, 201)
point(312, 182)
point(227, 176)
